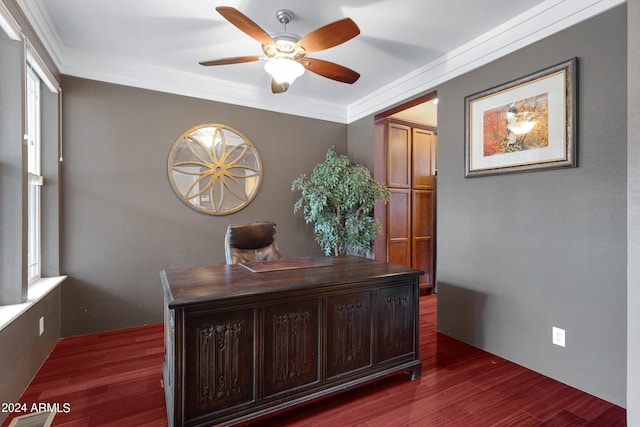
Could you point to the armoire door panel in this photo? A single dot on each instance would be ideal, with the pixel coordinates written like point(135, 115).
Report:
point(399, 209)
point(398, 156)
point(422, 250)
point(422, 158)
point(399, 252)
point(422, 234)
point(422, 213)
point(399, 227)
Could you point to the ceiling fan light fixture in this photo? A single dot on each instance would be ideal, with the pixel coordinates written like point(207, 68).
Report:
point(284, 70)
point(286, 53)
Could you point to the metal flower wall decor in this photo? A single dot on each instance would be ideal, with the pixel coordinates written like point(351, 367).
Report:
point(214, 169)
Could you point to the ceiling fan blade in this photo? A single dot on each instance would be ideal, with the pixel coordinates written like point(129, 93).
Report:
point(278, 87)
point(330, 70)
point(329, 36)
point(232, 60)
point(245, 24)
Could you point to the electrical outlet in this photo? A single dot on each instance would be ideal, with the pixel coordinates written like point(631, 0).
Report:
point(42, 325)
point(558, 336)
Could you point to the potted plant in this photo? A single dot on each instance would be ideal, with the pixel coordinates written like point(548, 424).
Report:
point(338, 198)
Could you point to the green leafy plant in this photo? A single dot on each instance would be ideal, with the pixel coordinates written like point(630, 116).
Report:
point(338, 198)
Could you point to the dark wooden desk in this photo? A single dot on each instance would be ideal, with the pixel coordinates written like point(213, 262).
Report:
point(240, 345)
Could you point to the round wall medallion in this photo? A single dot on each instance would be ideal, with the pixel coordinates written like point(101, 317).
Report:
point(214, 169)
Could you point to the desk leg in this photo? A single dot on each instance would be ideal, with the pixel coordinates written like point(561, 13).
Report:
point(414, 372)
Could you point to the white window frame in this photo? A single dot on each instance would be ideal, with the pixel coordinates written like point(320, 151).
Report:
point(35, 67)
point(33, 107)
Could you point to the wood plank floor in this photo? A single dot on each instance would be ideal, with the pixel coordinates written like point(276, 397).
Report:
point(114, 379)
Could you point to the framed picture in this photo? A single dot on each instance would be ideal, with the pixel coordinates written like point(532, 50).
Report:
point(525, 125)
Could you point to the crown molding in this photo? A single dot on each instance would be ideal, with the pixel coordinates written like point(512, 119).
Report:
point(41, 23)
point(127, 72)
point(152, 77)
point(8, 24)
point(534, 25)
point(548, 18)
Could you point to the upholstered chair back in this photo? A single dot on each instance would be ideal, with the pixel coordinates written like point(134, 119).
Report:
point(251, 242)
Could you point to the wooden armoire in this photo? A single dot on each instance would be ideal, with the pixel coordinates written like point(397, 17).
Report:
point(411, 150)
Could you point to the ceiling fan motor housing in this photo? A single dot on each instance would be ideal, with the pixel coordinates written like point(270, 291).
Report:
point(284, 41)
point(284, 16)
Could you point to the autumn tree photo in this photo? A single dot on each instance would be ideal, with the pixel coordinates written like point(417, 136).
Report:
point(518, 126)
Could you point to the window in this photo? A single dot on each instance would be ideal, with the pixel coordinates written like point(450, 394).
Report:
point(32, 137)
point(30, 149)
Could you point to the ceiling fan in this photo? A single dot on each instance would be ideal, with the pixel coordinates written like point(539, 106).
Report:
point(286, 53)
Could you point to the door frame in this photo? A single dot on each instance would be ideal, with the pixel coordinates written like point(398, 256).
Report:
point(380, 166)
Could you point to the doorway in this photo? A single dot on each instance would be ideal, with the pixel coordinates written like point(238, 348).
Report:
point(406, 161)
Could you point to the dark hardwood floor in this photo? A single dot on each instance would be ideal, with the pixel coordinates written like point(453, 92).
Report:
point(114, 379)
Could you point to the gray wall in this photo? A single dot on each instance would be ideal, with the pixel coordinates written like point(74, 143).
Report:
point(50, 191)
point(520, 253)
point(23, 350)
point(633, 220)
point(361, 138)
point(121, 221)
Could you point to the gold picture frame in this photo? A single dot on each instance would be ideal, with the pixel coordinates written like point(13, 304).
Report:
point(214, 169)
point(525, 125)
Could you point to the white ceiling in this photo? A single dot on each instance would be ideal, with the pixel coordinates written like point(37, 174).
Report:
point(406, 47)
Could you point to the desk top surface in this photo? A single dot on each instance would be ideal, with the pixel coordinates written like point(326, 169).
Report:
point(222, 282)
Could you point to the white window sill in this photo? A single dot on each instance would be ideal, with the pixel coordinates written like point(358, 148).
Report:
point(37, 290)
